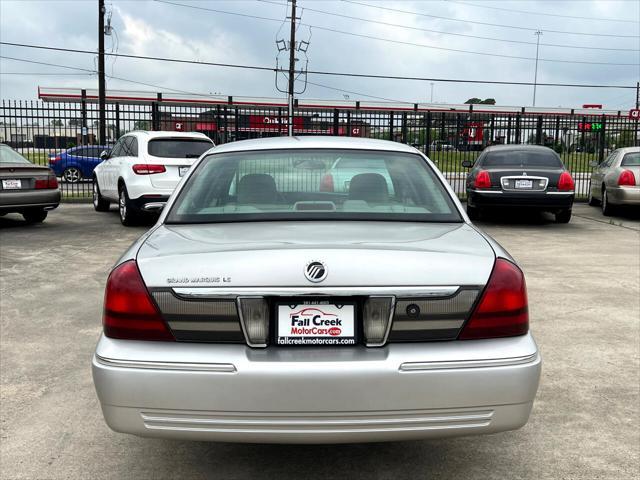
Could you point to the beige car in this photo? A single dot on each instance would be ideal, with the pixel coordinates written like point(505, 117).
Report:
point(616, 181)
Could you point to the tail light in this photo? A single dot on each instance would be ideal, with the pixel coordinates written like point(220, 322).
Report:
point(129, 311)
point(503, 310)
point(627, 178)
point(254, 318)
point(565, 182)
point(483, 180)
point(50, 182)
point(326, 184)
point(148, 168)
point(376, 318)
point(55, 159)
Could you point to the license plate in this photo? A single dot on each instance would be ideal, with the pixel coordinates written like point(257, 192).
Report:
point(182, 171)
point(524, 183)
point(316, 324)
point(11, 184)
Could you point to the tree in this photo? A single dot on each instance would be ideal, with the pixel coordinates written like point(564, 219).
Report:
point(56, 123)
point(476, 100)
point(142, 125)
point(74, 122)
point(489, 101)
point(473, 100)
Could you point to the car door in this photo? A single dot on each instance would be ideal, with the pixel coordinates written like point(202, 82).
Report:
point(107, 172)
point(597, 177)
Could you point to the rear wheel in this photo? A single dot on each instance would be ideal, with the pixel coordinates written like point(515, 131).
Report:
point(473, 213)
point(593, 201)
point(563, 216)
point(99, 203)
point(129, 215)
point(72, 175)
point(35, 216)
point(607, 208)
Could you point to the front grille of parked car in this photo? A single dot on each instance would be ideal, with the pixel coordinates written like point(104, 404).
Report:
point(424, 319)
point(204, 320)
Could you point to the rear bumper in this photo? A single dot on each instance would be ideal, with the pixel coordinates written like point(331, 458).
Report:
point(22, 200)
point(502, 199)
point(624, 195)
point(233, 393)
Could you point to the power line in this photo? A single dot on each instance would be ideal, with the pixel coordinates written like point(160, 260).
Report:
point(42, 74)
point(319, 72)
point(528, 12)
point(35, 62)
point(465, 35)
point(401, 42)
point(500, 25)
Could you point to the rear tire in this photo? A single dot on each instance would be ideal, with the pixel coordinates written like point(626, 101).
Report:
point(563, 216)
point(72, 175)
point(99, 203)
point(129, 215)
point(473, 213)
point(35, 216)
point(607, 208)
point(593, 201)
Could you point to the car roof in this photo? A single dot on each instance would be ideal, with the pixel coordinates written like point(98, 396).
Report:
point(314, 142)
point(629, 150)
point(163, 134)
point(518, 147)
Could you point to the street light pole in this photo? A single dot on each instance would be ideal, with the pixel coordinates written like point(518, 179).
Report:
point(101, 82)
point(431, 92)
point(535, 78)
point(292, 64)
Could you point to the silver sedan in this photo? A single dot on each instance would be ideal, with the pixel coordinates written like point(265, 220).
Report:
point(264, 308)
point(616, 181)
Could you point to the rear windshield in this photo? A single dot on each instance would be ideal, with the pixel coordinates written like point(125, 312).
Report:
point(7, 155)
point(631, 160)
point(521, 158)
point(302, 185)
point(178, 147)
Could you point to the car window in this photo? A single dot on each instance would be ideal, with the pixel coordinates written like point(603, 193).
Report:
point(631, 160)
point(130, 147)
point(521, 158)
point(8, 155)
point(274, 185)
point(79, 152)
point(95, 152)
point(178, 147)
point(359, 163)
point(117, 148)
point(609, 159)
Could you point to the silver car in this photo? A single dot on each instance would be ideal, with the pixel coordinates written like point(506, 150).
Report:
point(257, 313)
point(616, 181)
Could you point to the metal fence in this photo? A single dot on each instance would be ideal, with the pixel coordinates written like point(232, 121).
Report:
point(43, 131)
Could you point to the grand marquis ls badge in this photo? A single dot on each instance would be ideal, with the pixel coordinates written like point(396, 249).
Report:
point(315, 271)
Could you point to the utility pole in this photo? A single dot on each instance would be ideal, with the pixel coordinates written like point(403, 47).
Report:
point(637, 95)
point(535, 78)
point(431, 92)
point(292, 64)
point(101, 81)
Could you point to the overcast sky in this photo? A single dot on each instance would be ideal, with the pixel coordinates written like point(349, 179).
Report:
point(152, 28)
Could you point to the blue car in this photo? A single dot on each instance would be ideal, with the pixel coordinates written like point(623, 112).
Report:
point(76, 163)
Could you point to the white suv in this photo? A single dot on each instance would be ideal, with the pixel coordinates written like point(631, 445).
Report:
point(143, 169)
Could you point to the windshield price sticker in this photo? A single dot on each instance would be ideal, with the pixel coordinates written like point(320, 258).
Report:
point(322, 324)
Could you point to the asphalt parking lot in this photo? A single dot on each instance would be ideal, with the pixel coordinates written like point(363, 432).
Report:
point(584, 294)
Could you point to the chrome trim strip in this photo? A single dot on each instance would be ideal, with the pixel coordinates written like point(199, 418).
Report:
point(561, 193)
point(154, 206)
point(493, 192)
point(182, 366)
point(406, 325)
point(233, 293)
point(452, 365)
point(205, 326)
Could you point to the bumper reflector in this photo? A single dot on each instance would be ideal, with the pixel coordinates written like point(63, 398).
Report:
point(377, 320)
point(254, 318)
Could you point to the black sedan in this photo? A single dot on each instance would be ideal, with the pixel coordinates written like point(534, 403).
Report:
point(26, 188)
point(519, 176)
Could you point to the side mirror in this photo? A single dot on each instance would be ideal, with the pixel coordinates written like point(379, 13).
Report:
point(467, 164)
point(593, 163)
point(104, 155)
